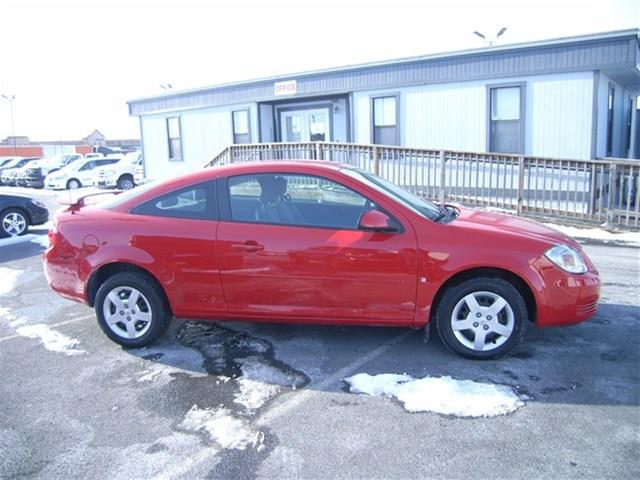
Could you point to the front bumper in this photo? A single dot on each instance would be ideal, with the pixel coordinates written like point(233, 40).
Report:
point(566, 299)
point(56, 184)
point(39, 216)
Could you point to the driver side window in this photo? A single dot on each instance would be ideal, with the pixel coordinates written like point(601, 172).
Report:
point(295, 199)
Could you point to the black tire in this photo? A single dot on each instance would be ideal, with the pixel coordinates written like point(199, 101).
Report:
point(73, 184)
point(485, 291)
point(8, 216)
point(158, 309)
point(125, 182)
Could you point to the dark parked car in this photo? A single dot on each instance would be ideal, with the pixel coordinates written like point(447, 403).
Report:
point(9, 174)
point(18, 212)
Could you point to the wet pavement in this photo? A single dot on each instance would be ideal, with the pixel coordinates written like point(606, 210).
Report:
point(241, 400)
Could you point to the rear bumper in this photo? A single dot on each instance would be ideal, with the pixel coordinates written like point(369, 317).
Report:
point(106, 183)
point(34, 182)
point(62, 276)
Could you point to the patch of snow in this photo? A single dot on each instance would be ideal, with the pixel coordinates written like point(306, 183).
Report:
point(42, 240)
point(222, 427)
point(253, 393)
point(8, 279)
point(163, 374)
point(6, 242)
point(627, 238)
point(445, 395)
point(52, 340)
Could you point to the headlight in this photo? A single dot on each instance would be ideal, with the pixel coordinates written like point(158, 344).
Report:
point(566, 258)
point(38, 203)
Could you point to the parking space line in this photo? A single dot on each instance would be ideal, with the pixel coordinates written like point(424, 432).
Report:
point(296, 399)
point(52, 325)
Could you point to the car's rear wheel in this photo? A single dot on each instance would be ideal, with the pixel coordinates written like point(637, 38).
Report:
point(13, 222)
point(73, 184)
point(482, 318)
point(131, 310)
point(125, 182)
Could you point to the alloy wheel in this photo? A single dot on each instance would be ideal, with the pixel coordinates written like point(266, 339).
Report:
point(14, 223)
point(127, 312)
point(482, 321)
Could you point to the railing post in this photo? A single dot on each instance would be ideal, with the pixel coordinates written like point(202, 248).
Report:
point(443, 177)
point(318, 152)
point(520, 185)
point(376, 160)
point(612, 191)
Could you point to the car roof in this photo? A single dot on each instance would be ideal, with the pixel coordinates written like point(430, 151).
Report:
point(300, 166)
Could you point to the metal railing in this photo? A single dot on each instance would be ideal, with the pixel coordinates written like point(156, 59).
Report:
point(585, 191)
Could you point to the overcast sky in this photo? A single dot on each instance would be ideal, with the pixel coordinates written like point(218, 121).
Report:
point(73, 64)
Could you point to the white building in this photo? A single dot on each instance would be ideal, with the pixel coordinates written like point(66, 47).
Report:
point(566, 98)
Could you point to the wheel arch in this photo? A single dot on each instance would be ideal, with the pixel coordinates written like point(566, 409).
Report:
point(100, 275)
point(69, 180)
point(518, 282)
point(20, 208)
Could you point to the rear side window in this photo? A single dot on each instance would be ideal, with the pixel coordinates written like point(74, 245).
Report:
point(196, 202)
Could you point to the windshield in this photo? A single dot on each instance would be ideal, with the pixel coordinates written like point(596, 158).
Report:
point(12, 163)
point(420, 205)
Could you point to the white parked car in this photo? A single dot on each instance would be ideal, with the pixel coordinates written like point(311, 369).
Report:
point(121, 174)
point(78, 174)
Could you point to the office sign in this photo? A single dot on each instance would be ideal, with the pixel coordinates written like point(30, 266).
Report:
point(290, 87)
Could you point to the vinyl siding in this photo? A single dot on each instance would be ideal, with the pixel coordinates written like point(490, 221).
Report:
point(454, 116)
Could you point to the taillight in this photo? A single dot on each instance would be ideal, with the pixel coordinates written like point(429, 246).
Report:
point(53, 236)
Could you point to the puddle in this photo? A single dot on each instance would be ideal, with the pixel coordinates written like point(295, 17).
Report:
point(234, 354)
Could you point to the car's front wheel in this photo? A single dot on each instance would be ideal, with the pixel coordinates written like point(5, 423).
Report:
point(131, 310)
point(13, 222)
point(482, 318)
point(73, 184)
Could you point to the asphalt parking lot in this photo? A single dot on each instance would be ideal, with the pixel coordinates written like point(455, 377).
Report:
point(75, 405)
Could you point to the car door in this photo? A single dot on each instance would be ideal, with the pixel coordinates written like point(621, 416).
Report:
point(295, 250)
point(178, 229)
point(85, 173)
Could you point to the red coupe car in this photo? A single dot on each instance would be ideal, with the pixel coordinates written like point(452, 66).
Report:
point(314, 242)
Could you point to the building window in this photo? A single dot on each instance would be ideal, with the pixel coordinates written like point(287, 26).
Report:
point(505, 120)
point(610, 102)
point(385, 121)
point(173, 133)
point(241, 127)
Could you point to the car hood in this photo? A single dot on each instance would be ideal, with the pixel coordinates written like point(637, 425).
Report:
point(483, 221)
point(14, 196)
point(63, 171)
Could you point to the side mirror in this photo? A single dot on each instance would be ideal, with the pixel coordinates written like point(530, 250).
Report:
point(375, 221)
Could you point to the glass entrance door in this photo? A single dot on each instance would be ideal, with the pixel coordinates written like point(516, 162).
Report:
point(305, 125)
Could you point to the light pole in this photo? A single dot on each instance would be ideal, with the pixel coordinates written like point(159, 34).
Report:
point(490, 42)
point(10, 99)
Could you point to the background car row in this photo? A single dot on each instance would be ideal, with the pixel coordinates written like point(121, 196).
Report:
point(71, 171)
